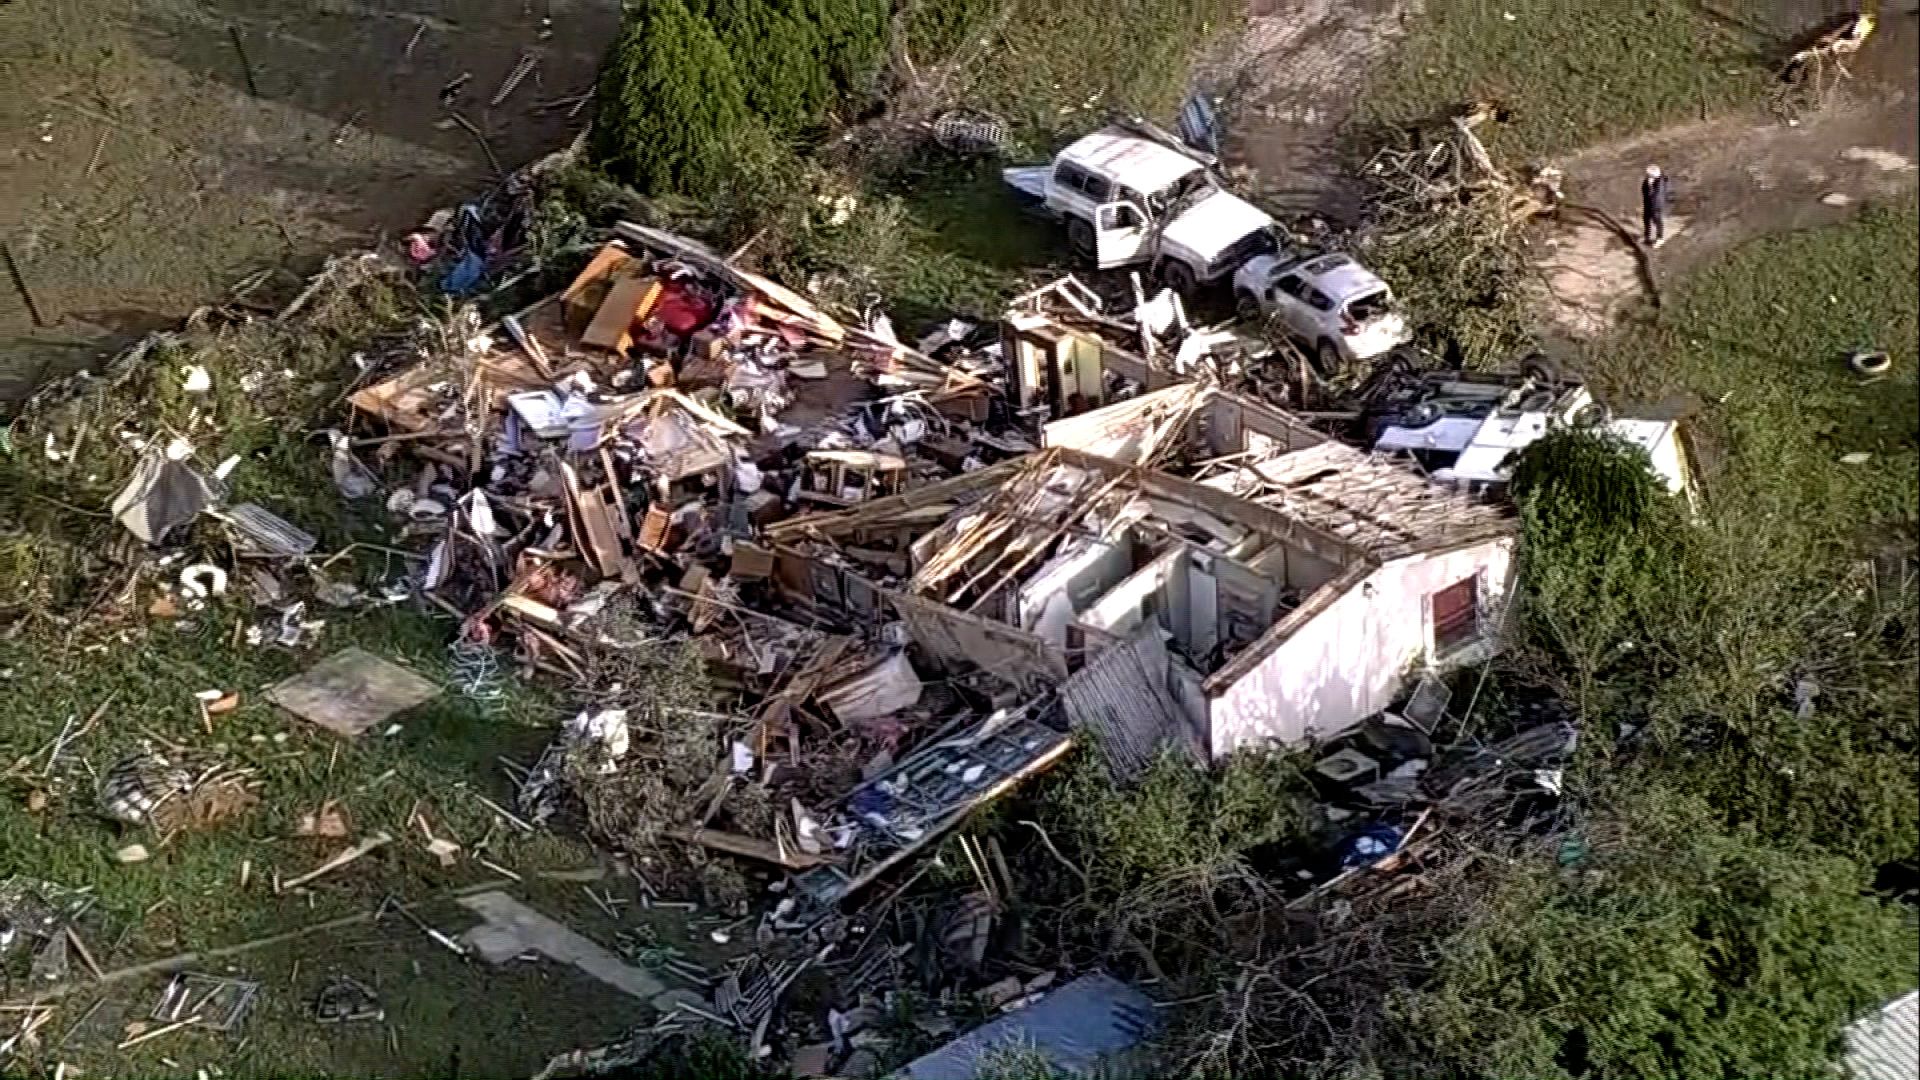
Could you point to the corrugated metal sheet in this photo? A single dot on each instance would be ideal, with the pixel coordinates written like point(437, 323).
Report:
point(1081, 1028)
point(1886, 1045)
point(1121, 697)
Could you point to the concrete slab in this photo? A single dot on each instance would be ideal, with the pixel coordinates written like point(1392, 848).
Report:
point(512, 928)
point(351, 691)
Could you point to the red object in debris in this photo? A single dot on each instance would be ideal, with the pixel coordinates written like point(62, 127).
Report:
point(420, 248)
point(476, 629)
point(681, 310)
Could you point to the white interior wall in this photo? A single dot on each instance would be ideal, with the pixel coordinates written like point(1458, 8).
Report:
point(1071, 582)
point(1351, 660)
point(1305, 573)
point(1118, 612)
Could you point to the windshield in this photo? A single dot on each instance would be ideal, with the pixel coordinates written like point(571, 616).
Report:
point(1189, 187)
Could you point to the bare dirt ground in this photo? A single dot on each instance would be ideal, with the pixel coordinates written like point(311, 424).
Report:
point(1735, 177)
point(1291, 80)
point(145, 166)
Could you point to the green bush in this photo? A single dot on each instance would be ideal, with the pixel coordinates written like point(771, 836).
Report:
point(853, 40)
point(1177, 817)
point(1698, 632)
point(670, 103)
point(935, 29)
point(1587, 478)
point(1677, 951)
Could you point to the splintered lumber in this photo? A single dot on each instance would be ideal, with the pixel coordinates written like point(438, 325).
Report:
point(748, 847)
point(606, 262)
point(600, 536)
point(379, 839)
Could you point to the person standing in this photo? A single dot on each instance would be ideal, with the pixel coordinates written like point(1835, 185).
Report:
point(1653, 206)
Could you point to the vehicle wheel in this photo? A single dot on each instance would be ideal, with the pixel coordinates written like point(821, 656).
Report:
point(1874, 362)
point(1177, 276)
point(1326, 356)
point(1540, 369)
point(1247, 304)
point(1080, 238)
point(1591, 415)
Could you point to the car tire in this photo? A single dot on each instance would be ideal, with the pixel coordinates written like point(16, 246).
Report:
point(1541, 370)
point(1326, 356)
point(1176, 275)
point(1246, 304)
point(1592, 415)
point(1080, 238)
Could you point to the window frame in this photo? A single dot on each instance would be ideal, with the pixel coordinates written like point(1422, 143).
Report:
point(1467, 630)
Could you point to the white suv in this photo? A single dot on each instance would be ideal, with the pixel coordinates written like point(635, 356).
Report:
point(1335, 306)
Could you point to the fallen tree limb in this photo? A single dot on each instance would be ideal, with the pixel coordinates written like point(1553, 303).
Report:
point(1640, 250)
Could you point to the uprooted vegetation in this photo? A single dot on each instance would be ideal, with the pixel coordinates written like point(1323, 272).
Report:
point(1759, 952)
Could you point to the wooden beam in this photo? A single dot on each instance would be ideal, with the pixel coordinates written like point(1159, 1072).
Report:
point(749, 847)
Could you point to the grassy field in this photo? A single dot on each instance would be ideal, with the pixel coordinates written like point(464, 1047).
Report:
point(1761, 338)
point(1808, 474)
point(1052, 68)
point(1574, 72)
point(82, 637)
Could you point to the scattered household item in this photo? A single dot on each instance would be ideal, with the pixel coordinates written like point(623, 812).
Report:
point(346, 1001)
point(164, 494)
point(209, 1001)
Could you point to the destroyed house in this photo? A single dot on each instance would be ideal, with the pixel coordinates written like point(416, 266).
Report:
point(1064, 355)
point(1283, 593)
point(1425, 568)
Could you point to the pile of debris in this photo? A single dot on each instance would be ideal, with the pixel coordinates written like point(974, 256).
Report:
point(592, 485)
point(640, 427)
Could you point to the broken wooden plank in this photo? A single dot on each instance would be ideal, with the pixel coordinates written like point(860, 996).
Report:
point(749, 847)
point(377, 840)
point(600, 538)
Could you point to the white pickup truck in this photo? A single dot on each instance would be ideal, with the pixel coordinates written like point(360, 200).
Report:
point(1130, 199)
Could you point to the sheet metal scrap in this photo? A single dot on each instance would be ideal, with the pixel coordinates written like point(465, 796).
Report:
point(347, 1001)
point(898, 812)
point(220, 1003)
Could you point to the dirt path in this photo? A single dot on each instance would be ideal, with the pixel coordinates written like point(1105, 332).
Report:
point(148, 162)
point(1291, 85)
point(1734, 178)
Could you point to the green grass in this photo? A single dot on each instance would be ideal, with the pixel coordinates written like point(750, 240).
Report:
point(1054, 68)
point(79, 635)
point(1701, 631)
point(1575, 72)
point(1761, 337)
point(444, 1016)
